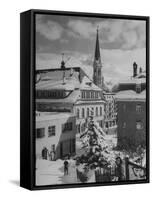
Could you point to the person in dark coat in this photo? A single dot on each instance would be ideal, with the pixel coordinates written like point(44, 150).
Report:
point(66, 166)
point(119, 171)
point(44, 153)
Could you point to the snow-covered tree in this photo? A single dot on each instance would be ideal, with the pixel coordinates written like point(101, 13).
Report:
point(95, 145)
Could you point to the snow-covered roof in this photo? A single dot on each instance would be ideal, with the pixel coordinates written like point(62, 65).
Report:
point(87, 84)
point(130, 95)
point(54, 81)
point(44, 116)
point(133, 81)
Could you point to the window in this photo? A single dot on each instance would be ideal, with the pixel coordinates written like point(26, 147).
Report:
point(139, 125)
point(92, 111)
point(67, 126)
point(83, 113)
point(124, 107)
point(101, 111)
point(40, 132)
point(138, 108)
point(96, 111)
point(51, 131)
point(88, 94)
point(87, 112)
point(72, 146)
point(124, 124)
point(53, 147)
point(83, 95)
point(96, 94)
point(78, 128)
point(78, 113)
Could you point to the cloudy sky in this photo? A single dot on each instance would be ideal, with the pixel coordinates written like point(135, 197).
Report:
point(121, 43)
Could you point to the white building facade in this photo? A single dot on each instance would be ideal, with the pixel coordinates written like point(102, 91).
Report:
point(55, 132)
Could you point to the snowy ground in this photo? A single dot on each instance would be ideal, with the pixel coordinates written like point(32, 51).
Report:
point(52, 172)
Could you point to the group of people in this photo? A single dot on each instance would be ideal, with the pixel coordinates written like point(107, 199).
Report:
point(48, 155)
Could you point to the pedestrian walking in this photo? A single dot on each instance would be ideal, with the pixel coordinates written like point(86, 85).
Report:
point(66, 166)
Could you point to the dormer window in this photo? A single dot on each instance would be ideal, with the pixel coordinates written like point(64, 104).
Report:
point(89, 83)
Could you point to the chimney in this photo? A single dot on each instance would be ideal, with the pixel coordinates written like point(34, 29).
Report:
point(135, 66)
point(62, 65)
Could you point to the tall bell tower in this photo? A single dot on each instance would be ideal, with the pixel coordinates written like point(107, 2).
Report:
point(97, 65)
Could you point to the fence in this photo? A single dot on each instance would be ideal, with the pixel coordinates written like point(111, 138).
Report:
point(128, 171)
point(134, 171)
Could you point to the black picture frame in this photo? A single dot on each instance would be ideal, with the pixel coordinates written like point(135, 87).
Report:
point(27, 98)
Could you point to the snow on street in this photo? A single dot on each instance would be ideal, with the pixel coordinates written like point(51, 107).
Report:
point(52, 172)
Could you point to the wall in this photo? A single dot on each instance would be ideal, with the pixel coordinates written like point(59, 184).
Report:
point(9, 101)
point(59, 137)
point(128, 134)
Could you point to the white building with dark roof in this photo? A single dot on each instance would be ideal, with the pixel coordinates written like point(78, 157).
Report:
point(67, 90)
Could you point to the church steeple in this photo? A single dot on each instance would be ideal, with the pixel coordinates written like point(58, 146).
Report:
point(97, 49)
point(97, 65)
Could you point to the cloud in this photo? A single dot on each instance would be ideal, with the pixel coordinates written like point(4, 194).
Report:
point(127, 34)
point(117, 64)
point(82, 28)
point(49, 29)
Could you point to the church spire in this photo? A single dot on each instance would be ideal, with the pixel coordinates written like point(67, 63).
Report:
point(97, 49)
point(97, 65)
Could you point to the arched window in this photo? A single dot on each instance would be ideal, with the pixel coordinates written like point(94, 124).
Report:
point(96, 111)
point(83, 113)
point(78, 113)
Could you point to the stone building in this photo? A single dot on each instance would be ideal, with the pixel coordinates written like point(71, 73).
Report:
point(131, 110)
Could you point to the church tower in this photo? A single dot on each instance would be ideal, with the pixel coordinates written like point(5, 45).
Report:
point(97, 65)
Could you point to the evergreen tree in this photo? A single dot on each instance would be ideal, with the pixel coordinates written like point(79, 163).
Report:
point(94, 143)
